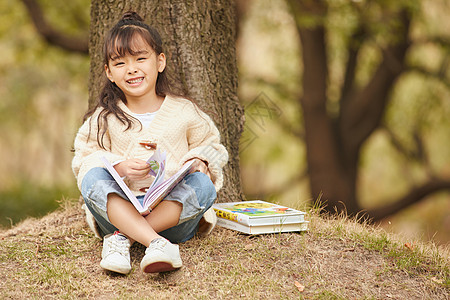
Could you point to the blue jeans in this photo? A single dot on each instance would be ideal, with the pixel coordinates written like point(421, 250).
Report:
point(195, 192)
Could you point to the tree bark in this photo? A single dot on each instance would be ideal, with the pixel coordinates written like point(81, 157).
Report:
point(199, 39)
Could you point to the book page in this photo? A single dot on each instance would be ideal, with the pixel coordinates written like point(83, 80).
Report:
point(159, 192)
point(122, 184)
point(157, 160)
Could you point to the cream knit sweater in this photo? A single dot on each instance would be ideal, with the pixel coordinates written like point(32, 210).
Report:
point(179, 128)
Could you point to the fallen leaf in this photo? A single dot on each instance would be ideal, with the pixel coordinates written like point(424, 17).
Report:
point(348, 249)
point(409, 246)
point(299, 286)
point(248, 247)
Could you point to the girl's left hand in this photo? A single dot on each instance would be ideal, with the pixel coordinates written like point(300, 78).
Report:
point(200, 166)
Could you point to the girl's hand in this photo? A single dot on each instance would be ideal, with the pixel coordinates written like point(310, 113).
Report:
point(200, 166)
point(133, 169)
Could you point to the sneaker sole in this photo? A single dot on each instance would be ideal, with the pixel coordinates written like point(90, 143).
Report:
point(122, 270)
point(160, 266)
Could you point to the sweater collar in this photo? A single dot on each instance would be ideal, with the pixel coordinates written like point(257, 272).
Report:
point(163, 116)
point(125, 108)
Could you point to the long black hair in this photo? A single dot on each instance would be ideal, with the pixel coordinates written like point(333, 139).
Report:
point(119, 42)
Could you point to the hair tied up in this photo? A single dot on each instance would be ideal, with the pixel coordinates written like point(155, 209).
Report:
point(132, 15)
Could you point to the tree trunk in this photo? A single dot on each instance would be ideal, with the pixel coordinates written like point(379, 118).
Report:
point(330, 176)
point(199, 40)
point(332, 179)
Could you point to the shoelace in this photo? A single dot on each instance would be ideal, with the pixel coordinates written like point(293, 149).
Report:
point(158, 244)
point(116, 245)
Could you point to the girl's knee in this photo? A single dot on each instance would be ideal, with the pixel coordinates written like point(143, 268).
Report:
point(205, 189)
point(97, 173)
point(92, 176)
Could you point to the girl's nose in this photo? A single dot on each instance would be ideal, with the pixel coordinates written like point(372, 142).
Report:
point(132, 69)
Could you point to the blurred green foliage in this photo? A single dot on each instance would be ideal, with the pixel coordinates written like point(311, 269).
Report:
point(30, 200)
point(44, 94)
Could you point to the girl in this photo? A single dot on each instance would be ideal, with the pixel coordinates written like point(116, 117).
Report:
point(137, 113)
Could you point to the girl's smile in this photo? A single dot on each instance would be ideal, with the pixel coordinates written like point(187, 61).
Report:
point(135, 81)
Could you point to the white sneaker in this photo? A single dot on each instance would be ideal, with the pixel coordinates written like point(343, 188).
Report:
point(161, 256)
point(207, 223)
point(116, 253)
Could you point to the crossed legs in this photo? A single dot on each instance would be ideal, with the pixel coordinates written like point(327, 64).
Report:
point(130, 222)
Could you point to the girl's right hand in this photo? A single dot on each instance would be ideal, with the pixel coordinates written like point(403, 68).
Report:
point(133, 169)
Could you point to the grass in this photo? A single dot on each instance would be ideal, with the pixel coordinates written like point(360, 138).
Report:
point(58, 257)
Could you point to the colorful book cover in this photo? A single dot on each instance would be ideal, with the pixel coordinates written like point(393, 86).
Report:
point(258, 212)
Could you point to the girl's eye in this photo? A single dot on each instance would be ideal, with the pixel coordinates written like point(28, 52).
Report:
point(141, 58)
point(117, 64)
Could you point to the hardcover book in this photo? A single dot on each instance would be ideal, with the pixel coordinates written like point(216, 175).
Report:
point(257, 216)
point(260, 229)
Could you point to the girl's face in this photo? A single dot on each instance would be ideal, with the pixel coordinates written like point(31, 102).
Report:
point(136, 74)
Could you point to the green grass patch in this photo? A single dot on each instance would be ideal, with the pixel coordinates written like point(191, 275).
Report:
point(376, 242)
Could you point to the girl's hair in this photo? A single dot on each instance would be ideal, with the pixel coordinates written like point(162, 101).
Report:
point(119, 42)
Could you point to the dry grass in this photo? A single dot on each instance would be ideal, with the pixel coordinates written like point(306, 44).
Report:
point(58, 257)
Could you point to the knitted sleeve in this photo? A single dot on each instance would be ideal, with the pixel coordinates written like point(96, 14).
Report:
point(87, 151)
point(204, 143)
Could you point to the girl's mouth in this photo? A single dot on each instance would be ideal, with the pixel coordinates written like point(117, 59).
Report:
point(135, 80)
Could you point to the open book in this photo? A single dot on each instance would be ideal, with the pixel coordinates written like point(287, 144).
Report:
point(159, 188)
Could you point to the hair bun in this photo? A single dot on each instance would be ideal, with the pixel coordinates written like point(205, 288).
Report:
point(132, 15)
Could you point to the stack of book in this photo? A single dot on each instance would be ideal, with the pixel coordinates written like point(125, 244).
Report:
point(257, 217)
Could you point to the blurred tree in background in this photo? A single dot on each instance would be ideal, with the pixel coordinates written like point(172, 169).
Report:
point(342, 112)
point(346, 101)
point(361, 89)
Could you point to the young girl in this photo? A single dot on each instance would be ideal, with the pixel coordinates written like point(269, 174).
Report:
point(136, 114)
